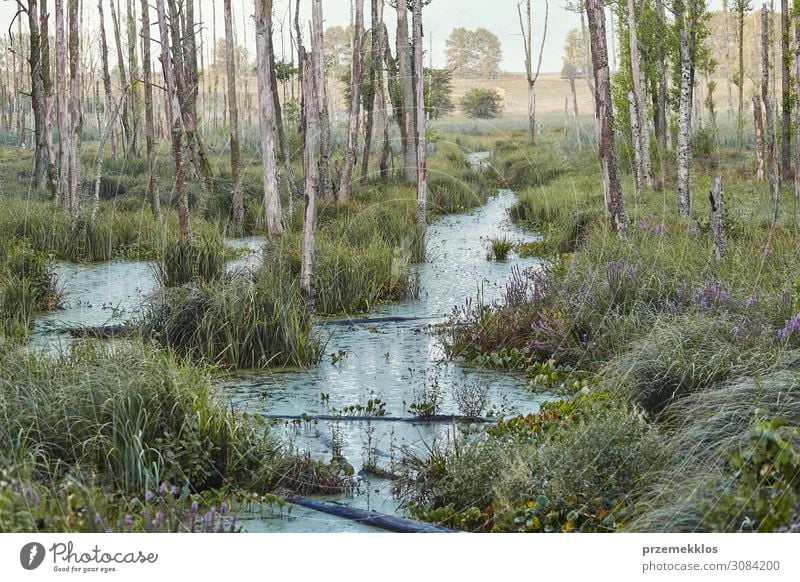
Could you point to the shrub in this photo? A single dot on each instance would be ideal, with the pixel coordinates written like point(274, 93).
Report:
point(481, 103)
point(499, 248)
point(199, 261)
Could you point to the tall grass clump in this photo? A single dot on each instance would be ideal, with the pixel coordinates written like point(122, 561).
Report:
point(235, 323)
point(199, 261)
point(125, 418)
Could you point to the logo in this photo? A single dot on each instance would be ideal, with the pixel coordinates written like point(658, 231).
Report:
point(31, 555)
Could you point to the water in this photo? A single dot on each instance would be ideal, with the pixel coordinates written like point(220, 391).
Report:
point(395, 362)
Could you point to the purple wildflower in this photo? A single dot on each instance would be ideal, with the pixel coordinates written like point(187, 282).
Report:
point(128, 519)
point(148, 496)
point(792, 327)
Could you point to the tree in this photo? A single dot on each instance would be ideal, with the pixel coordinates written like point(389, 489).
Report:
point(75, 112)
point(346, 186)
point(473, 53)
point(527, 38)
point(40, 158)
point(123, 80)
point(267, 120)
point(61, 108)
point(422, 168)
point(406, 93)
point(308, 250)
point(438, 93)
point(615, 203)
point(685, 27)
point(321, 111)
point(766, 97)
point(481, 103)
point(741, 7)
point(237, 197)
point(174, 121)
point(786, 97)
point(149, 121)
point(643, 145)
point(370, 87)
point(109, 99)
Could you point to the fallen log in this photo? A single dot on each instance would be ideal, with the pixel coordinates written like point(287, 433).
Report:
point(436, 418)
point(368, 517)
point(100, 331)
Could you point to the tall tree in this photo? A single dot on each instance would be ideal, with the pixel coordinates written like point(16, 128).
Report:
point(741, 7)
point(473, 53)
point(572, 69)
point(766, 97)
point(786, 96)
point(135, 88)
point(237, 197)
point(318, 50)
point(267, 121)
point(173, 120)
point(149, 122)
point(796, 115)
point(639, 101)
point(109, 99)
point(661, 92)
point(40, 158)
point(127, 125)
point(308, 251)
point(685, 27)
point(75, 110)
point(406, 94)
point(47, 88)
point(61, 107)
point(527, 39)
point(422, 164)
point(346, 186)
point(376, 58)
point(614, 200)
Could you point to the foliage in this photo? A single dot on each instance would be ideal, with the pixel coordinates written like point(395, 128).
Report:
point(481, 103)
point(499, 248)
point(473, 53)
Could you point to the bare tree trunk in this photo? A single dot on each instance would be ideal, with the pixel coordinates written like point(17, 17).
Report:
point(174, 120)
point(422, 162)
point(109, 100)
point(76, 115)
point(386, 151)
point(766, 97)
point(684, 113)
point(37, 98)
point(123, 81)
point(740, 118)
point(638, 173)
point(797, 121)
point(575, 114)
point(759, 129)
point(726, 16)
point(47, 89)
point(317, 49)
point(641, 104)
point(308, 252)
point(133, 69)
point(786, 98)
point(376, 58)
point(346, 187)
point(406, 119)
point(237, 197)
point(149, 125)
point(720, 247)
point(614, 200)
point(527, 38)
point(266, 114)
point(61, 108)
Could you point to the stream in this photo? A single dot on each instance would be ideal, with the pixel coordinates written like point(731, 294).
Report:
point(398, 362)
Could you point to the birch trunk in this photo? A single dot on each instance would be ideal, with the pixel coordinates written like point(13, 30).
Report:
point(318, 62)
point(797, 120)
point(346, 186)
point(758, 123)
point(407, 131)
point(266, 114)
point(308, 252)
point(766, 97)
point(720, 247)
point(740, 117)
point(646, 178)
point(614, 200)
point(237, 197)
point(149, 124)
point(386, 151)
point(422, 162)
point(61, 108)
point(638, 173)
point(684, 114)
point(37, 98)
point(76, 114)
point(133, 69)
point(174, 121)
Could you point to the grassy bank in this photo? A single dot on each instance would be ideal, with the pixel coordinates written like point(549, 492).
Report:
point(680, 372)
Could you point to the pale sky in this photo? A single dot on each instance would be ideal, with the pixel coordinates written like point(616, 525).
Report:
point(440, 17)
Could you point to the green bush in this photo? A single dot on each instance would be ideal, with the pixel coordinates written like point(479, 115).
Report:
point(481, 103)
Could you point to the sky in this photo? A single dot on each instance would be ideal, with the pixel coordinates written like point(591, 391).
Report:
point(440, 17)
